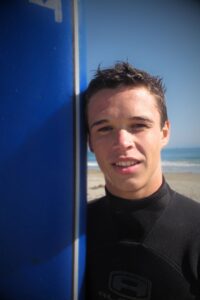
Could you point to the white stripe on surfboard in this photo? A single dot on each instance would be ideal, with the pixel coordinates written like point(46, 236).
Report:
point(77, 147)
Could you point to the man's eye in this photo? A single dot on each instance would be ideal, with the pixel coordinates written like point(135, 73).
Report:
point(105, 129)
point(138, 126)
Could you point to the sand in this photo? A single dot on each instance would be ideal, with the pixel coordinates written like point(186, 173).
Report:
point(187, 184)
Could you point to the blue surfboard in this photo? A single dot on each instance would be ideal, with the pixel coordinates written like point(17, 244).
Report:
point(42, 151)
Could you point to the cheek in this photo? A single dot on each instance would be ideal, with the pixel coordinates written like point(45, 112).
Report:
point(99, 142)
point(100, 148)
point(95, 145)
point(150, 145)
point(155, 148)
point(101, 155)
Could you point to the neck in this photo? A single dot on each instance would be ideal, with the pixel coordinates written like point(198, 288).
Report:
point(135, 191)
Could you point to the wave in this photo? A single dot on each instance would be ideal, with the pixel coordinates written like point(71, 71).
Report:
point(92, 165)
point(181, 163)
point(181, 166)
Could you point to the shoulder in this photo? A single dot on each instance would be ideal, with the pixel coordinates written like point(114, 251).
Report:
point(96, 210)
point(185, 207)
point(182, 218)
point(96, 205)
point(98, 223)
point(176, 234)
point(180, 221)
point(186, 220)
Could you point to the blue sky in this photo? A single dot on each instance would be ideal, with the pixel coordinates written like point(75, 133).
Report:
point(161, 37)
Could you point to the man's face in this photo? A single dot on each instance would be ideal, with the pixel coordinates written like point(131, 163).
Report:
point(126, 137)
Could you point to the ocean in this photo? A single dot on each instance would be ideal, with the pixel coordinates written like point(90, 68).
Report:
point(183, 160)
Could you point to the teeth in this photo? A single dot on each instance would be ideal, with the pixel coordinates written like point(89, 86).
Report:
point(125, 163)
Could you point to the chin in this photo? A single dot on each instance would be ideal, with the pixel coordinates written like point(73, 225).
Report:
point(131, 187)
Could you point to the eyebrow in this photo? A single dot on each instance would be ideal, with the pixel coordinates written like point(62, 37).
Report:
point(103, 121)
point(142, 118)
point(135, 118)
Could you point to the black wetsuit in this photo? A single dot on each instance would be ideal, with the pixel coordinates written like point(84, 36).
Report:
point(144, 249)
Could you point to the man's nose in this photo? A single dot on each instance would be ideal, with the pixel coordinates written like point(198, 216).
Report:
point(124, 139)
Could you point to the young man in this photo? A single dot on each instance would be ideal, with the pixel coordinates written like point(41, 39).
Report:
point(143, 238)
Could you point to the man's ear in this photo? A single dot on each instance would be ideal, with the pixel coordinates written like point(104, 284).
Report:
point(165, 133)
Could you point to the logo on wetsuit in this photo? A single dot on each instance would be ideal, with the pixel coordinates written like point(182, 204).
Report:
point(129, 286)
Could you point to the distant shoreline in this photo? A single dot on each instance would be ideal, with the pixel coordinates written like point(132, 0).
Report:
point(187, 184)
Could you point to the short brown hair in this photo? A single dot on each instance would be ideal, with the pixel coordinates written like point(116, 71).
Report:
point(126, 75)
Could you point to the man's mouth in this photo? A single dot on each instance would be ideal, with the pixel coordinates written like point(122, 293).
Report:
point(126, 164)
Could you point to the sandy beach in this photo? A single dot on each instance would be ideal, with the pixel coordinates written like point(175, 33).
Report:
point(185, 183)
